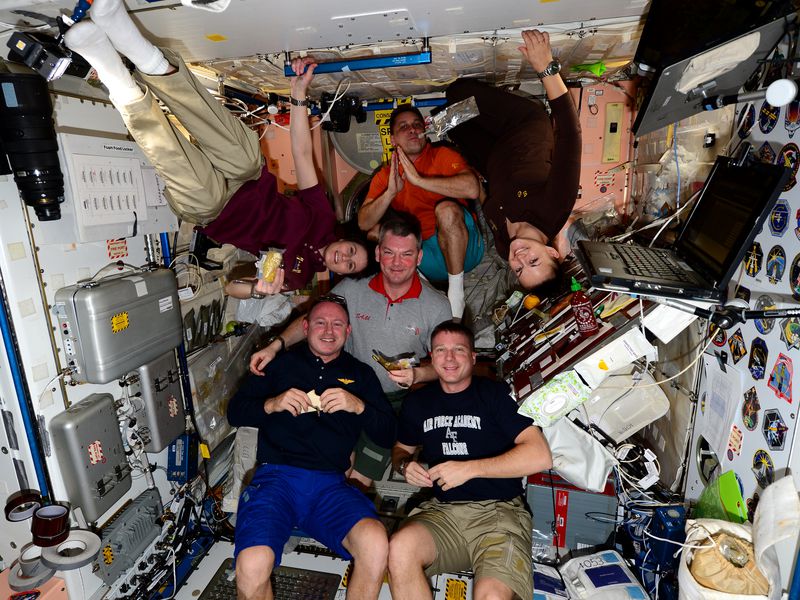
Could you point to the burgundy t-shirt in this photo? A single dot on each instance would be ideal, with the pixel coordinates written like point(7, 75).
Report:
point(258, 217)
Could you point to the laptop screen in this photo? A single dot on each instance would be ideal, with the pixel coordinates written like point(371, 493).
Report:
point(722, 225)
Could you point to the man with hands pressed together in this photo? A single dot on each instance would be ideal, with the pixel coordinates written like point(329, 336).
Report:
point(433, 183)
point(310, 408)
point(477, 447)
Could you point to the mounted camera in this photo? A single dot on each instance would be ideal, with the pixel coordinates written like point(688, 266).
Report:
point(341, 112)
point(28, 143)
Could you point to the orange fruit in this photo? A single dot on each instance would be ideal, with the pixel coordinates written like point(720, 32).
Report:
point(531, 301)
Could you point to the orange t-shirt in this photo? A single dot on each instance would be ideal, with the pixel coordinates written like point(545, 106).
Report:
point(434, 161)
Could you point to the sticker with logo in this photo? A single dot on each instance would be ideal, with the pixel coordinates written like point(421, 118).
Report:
point(797, 219)
point(763, 468)
point(720, 338)
point(778, 221)
point(734, 443)
point(768, 117)
point(776, 264)
point(753, 259)
point(758, 358)
point(743, 293)
point(791, 120)
point(790, 333)
point(748, 121)
point(95, 450)
point(737, 346)
point(766, 153)
point(750, 408)
point(789, 156)
point(794, 278)
point(764, 326)
point(780, 380)
point(774, 429)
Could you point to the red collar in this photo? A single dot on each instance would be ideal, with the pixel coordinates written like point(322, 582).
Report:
point(376, 284)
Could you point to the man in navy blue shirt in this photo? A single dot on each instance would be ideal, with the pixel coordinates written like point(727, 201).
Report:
point(310, 408)
point(477, 448)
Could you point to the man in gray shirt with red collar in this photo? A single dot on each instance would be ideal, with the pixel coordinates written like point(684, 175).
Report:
point(393, 312)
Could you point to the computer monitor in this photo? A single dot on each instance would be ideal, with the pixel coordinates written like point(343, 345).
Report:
point(690, 38)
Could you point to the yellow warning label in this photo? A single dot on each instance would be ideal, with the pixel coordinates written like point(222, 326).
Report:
point(346, 575)
point(119, 322)
point(204, 451)
point(455, 589)
point(216, 37)
point(382, 121)
point(108, 555)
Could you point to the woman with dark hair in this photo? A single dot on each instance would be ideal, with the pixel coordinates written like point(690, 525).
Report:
point(218, 180)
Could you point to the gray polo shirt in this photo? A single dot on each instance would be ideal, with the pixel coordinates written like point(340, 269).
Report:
point(391, 327)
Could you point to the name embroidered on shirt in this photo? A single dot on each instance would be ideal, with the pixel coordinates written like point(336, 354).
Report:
point(362, 316)
point(298, 264)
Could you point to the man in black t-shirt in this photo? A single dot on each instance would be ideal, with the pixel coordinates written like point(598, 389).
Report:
point(477, 448)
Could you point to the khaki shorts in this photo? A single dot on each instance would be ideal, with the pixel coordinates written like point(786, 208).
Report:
point(491, 538)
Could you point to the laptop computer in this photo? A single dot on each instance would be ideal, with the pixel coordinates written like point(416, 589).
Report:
point(733, 205)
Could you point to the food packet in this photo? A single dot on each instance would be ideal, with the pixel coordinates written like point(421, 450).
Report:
point(450, 117)
point(395, 363)
point(269, 263)
point(315, 403)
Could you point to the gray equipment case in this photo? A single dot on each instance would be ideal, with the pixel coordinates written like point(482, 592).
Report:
point(113, 325)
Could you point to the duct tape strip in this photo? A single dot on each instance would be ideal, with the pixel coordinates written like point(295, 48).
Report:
point(28, 571)
point(79, 549)
point(50, 525)
point(21, 505)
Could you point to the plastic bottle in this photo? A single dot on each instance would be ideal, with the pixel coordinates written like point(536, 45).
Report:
point(583, 310)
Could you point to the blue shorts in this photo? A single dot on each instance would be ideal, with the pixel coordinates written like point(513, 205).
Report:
point(433, 265)
point(281, 498)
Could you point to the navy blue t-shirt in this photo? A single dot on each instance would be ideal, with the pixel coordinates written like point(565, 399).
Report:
point(319, 442)
point(480, 422)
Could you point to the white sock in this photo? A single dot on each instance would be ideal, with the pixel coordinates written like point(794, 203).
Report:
point(88, 40)
point(112, 17)
point(455, 293)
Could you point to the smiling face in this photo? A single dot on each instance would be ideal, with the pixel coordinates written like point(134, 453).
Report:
point(532, 262)
point(453, 359)
point(345, 257)
point(398, 256)
point(326, 327)
point(408, 133)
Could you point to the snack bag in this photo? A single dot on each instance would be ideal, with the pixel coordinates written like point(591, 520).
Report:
point(269, 263)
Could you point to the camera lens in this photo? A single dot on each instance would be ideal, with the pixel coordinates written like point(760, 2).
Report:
point(29, 138)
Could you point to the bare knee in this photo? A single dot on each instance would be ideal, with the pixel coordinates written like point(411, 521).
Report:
point(449, 214)
point(253, 568)
point(369, 545)
point(404, 553)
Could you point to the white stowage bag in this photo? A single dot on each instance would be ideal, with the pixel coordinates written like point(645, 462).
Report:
point(777, 518)
point(267, 312)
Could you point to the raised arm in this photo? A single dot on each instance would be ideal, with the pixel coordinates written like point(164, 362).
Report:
point(530, 454)
point(299, 130)
point(536, 48)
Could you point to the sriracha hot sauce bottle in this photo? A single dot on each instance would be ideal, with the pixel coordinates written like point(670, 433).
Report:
point(583, 311)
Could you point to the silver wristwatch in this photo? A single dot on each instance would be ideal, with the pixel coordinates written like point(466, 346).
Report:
point(552, 69)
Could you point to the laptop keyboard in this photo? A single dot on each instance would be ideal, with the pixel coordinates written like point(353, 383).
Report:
point(288, 583)
point(646, 262)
